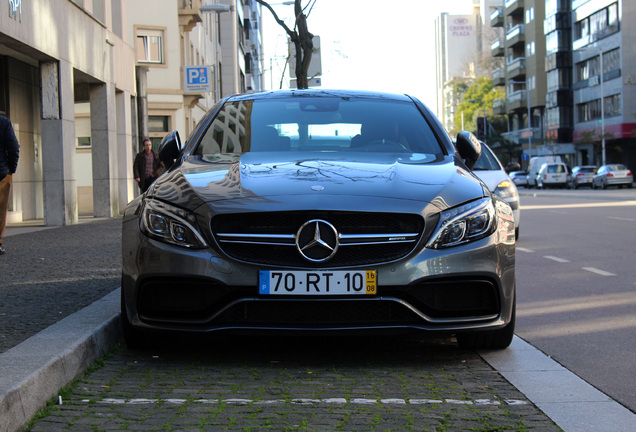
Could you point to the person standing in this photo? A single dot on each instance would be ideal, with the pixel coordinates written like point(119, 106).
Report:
point(147, 166)
point(9, 153)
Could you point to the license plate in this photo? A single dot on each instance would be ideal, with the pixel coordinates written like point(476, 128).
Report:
point(317, 283)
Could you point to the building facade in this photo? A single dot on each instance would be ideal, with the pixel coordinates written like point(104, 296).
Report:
point(604, 84)
point(55, 54)
point(462, 48)
point(523, 75)
point(83, 81)
point(457, 45)
point(569, 72)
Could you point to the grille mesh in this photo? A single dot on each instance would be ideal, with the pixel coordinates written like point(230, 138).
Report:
point(347, 223)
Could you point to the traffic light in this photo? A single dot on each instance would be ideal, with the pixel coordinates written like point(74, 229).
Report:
point(481, 130)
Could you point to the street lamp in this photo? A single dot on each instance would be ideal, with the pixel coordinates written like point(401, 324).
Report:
point(526, 83)
point(600, 56)
point(485, 121)
point(218, 8)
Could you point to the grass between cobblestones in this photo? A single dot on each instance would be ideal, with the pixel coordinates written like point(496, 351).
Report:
point(252, 385)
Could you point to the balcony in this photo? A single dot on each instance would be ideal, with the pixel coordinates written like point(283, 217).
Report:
point(516, 35)
point(517, 100)
point(499, 106)
point(497, 18)
point(516, 69)
point(189, 14)
point(499, 77)
point(513, 6)
point(497, 48)
point(520, 136)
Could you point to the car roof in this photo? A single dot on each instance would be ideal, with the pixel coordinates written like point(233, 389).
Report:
point(313, 92)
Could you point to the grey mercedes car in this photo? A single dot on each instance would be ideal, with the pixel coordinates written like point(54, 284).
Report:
point(319, 211)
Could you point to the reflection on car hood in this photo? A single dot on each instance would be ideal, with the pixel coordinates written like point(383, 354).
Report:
point(281, 176)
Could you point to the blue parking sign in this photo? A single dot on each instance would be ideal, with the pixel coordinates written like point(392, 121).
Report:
point(197, 79)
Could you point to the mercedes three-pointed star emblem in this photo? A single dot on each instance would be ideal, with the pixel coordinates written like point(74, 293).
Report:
point(317, 240)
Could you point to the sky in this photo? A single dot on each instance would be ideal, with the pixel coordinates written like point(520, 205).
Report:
point(384, 45)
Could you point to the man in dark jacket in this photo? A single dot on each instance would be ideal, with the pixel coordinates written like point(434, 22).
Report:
point(146, 167)
point(9, 153)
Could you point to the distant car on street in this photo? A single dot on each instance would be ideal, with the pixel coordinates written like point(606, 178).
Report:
point(581, 176)
point(535, 164)
point(491, 171)
point(519, 178)
point(319, 211)
point(612, 175)
point(552, 175)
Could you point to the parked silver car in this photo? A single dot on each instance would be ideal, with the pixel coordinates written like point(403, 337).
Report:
point(581, 176)
point(613, 175)
point(314, 211)
point(492, 172)
point(519, 178)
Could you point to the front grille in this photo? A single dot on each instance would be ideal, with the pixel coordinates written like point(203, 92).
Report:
point(270, 238)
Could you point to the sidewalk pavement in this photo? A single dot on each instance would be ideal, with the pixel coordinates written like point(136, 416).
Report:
point(59, 311)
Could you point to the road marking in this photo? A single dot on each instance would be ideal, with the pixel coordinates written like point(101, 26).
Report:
point(598, 271)
point(574, 304)
point(599, 204)
point(557, 259)
point(621, 219)
point(303, 401)
point(524, 250)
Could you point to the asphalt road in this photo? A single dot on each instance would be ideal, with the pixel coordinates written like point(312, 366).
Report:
point(576, 284)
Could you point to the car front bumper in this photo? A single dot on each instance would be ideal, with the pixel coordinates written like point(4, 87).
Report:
point(465, 287)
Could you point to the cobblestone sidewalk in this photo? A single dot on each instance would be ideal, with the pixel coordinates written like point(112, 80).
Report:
point(290, 384)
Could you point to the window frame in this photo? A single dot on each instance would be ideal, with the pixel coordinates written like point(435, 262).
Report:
point(148, 32)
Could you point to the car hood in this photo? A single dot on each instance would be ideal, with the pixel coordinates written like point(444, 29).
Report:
point(297, 177)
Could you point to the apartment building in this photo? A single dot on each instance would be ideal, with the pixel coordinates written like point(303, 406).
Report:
point(604, 81)
point(524, 75)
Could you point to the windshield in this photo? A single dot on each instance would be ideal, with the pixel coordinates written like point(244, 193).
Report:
point(487, 161)
point(319, 124)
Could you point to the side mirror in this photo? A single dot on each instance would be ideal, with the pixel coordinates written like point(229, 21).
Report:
point(169, 149)
point(469, 148)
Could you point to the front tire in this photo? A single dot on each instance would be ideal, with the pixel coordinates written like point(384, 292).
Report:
point(490, 339)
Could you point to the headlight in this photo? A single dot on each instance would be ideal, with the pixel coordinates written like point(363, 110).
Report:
point(170, 224)
point(506, 189)
point(464, 224)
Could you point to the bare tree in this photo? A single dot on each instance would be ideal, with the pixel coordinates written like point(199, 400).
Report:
point(300, 37)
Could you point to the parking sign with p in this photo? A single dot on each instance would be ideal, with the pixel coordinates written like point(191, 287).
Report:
point(198, 79)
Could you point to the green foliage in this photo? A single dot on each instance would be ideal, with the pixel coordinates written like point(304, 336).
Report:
point(477, 94)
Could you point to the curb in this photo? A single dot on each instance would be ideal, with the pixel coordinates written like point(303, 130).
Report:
point(34, 371)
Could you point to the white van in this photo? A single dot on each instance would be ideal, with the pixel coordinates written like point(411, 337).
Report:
point(552, 175)
point(535, 165)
